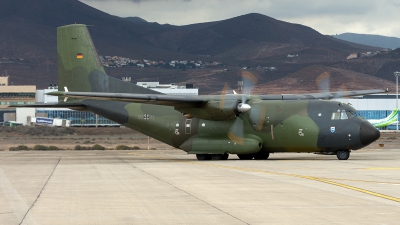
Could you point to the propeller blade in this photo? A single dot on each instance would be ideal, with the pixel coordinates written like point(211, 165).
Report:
point(323, 82)
point(257, 116)
point(343, 92)
point(249, 81)
point(223, 96)
point(236, 132)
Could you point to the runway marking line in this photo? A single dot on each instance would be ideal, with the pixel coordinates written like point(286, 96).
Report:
point(285, 174)
point(382, 168)
point(362, 181)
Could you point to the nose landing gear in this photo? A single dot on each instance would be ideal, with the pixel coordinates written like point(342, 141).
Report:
point(343, 154)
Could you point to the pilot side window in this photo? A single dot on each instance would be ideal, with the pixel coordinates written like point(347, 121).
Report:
point(351, 114)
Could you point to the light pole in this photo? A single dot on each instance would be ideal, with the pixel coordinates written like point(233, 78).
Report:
point(397, 74)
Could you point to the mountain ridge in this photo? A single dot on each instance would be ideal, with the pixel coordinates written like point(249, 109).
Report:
point(247, 40)
point(371, 40)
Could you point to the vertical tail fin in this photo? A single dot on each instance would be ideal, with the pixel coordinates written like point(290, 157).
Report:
point(79, 67)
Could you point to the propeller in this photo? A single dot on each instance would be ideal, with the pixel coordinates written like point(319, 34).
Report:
point(236, 131)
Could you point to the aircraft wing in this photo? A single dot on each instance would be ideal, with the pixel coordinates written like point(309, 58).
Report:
point(156, 99)
point(321, 95)
point(182, 101)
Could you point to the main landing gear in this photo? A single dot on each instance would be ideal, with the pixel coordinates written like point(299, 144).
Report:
point(258, 156)
point(202, 157)
point(343, 154)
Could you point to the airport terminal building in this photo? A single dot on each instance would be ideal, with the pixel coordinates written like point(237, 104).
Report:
point(78, 118)
point(14, 95)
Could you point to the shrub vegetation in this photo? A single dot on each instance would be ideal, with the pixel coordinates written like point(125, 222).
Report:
point(124, 147)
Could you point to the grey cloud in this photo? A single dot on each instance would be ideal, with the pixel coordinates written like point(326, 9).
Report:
point(327, 17)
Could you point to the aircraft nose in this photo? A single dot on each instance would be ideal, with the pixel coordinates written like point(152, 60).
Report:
point(368, 133)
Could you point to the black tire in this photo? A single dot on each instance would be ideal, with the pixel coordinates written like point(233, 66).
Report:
point(343, 154)
point(219, 156)
point(261, 155)
point(225, 156)
point(245, 156)
point(202, 157)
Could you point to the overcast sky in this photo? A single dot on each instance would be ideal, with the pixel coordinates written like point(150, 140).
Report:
point(326, 16)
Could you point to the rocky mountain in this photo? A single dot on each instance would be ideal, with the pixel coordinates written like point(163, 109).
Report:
point(253, 40)
point(112, 34)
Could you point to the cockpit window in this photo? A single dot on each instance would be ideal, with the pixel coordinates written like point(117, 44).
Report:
point(353, 114)
point(342, 115)
point(335, 116)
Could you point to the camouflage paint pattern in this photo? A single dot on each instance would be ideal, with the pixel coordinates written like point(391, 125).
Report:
point(216, 126)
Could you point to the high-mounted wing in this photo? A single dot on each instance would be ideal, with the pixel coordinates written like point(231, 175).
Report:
point(180, 101)
point(323, 95)
point(155, 99)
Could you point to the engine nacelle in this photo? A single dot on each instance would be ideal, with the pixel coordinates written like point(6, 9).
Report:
point(217, 110)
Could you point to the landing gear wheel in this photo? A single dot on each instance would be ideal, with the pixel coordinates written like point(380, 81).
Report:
point(245, 156)
point(343, 154)
point(261, 155)
point(220, 156)
point(203, 157)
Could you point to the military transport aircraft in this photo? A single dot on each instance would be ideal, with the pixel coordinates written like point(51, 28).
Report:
point(212, 126)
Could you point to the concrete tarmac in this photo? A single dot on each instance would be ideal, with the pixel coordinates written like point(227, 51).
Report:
point(170, 187)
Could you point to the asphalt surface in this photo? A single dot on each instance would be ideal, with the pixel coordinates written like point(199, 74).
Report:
point(170, 187)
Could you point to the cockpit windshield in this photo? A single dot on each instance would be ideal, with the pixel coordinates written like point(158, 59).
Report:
point(343, 115)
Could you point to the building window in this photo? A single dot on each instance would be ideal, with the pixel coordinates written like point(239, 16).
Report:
point(79, 118)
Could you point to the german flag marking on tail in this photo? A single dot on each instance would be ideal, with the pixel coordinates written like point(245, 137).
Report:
point(79, 56)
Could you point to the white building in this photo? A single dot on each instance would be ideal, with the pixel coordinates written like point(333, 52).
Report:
point(371, 102)
point(170, 89)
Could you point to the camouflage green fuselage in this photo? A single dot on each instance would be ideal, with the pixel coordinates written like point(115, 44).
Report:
point(271, 125)
point(205, 124)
